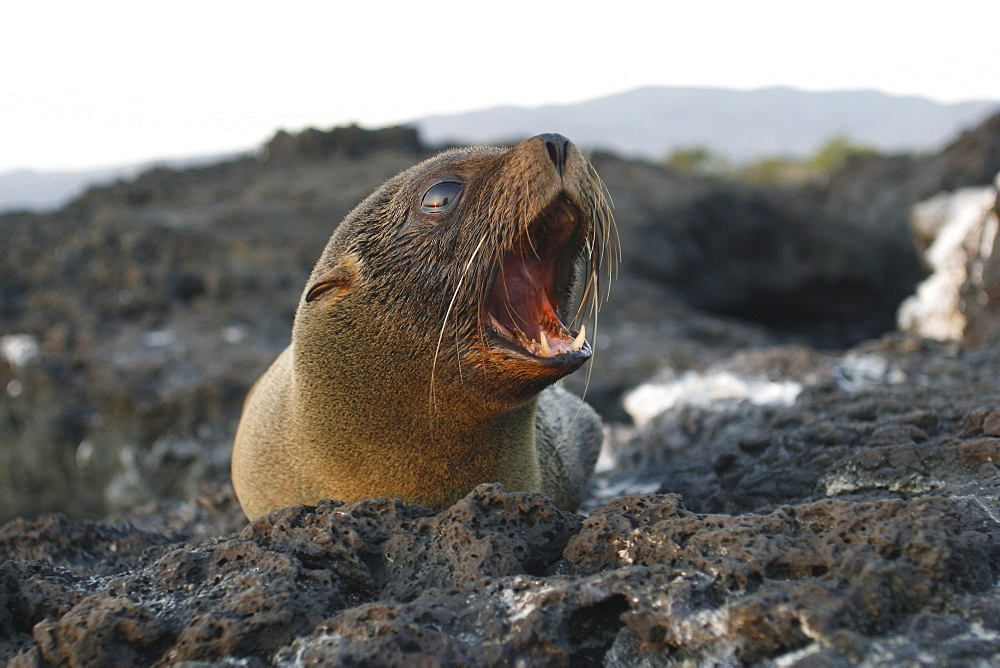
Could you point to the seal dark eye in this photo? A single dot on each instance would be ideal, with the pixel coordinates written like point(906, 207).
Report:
point(441, 196)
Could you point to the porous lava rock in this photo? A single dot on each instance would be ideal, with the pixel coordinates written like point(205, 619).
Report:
point(799, 506)
point(501, 578)
point(857, 524)
point(134, 319)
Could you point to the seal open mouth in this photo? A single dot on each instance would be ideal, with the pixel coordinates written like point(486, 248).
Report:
point(531, 283)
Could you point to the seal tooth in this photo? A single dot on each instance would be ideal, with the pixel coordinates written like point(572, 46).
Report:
point(580, 338)
point(544, 344)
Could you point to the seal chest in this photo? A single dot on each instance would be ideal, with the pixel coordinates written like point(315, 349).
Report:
point(429, 335)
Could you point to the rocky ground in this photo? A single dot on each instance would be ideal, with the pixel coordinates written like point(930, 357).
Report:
point(797, 489)
point(858, 524)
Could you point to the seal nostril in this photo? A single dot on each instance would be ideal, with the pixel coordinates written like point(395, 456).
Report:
point(555, 144)
point(553, 154)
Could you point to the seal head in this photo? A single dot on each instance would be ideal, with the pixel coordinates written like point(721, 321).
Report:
point(439, 310)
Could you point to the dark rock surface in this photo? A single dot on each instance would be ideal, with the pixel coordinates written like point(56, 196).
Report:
point(799, 506)
point(898, 415)
point(860, 524)
point(763, 255)
point(876, 192)
point(150, 306)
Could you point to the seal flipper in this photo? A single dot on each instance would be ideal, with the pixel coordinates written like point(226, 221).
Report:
point(568, 437)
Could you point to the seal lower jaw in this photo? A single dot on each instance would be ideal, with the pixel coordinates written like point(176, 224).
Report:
point(532, 283)
point(546, 346)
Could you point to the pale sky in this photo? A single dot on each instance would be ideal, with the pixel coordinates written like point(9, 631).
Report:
point(105, 83)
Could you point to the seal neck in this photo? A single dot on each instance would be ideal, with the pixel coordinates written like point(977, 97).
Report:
point(396, 452)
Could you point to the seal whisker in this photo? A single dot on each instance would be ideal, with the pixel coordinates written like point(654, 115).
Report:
point(444, 323)
point(608, 224)
point(601, 236)
point(568, 430)
point(588, 247)
point(458, 357)
point(506, 302)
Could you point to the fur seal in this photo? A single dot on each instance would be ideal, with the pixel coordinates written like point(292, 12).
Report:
point(429, 335)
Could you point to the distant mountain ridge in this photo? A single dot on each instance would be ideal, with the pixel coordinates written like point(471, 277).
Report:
point(743, 125)
point(646, 122)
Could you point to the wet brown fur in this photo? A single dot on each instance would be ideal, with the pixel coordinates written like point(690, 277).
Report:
point(389, 387)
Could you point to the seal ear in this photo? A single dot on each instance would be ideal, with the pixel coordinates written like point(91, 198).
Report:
point(325, 285)
point(336, 282)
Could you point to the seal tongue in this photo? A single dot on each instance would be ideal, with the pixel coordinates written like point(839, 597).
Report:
point(520, 306)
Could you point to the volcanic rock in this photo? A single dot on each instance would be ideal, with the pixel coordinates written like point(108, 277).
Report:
point(760, 500)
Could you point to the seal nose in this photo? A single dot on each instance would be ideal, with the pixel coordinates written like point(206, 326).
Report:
point(556, 144)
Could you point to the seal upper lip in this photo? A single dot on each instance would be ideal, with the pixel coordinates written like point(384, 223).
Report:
point(531, 282)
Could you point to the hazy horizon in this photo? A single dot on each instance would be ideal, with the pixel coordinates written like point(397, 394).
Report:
point(209, 156)
point(787, 123)
point(94, 86)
